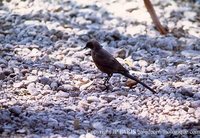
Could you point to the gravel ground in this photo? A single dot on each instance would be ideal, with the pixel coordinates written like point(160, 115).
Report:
point(49, 86)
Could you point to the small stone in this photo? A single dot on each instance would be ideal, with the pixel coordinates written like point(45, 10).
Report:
point(85, 86)
point(32, 78)
point(195, 104)
point(8, 128)
point(89, 135)
point(21, 131)
point(73, 136)
point(132, 41)
point(172, 95)
point(8, 46)
point(35, 72)
point(35, 52)
point(3, 61)
point(122, 42)
point(115, 34)
point(83, 104)
point(190, 15)
point(66, 87)
point(62, 94)
point(16, 110)
point(49, 130)
point(60, 65)
point(18, 84)
point(167, 43)
point(121, 53)
point(111, 50)
point(44, 80)
point(190, 53)
point(2, 76)
point(186, 92)
point(122, 93)
point(52, 122)
point(181, 68)
point(52, 68)
point(53, 38)
point(32, 90)
point(192, 80)
point(142, 63)
point(167, 109)
point(97, 125)
point(5, 116)
point(108, 98)
point(191, 110)
point(33, 136)
point(91, 99)
point(54, 85)
point(197, 95)
point(144, 114)
point(197, 113)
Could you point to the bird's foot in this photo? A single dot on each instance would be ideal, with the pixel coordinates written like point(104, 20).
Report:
point(105, 82)
point(106, 88)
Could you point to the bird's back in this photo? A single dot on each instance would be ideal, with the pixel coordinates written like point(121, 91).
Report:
point(106, 62)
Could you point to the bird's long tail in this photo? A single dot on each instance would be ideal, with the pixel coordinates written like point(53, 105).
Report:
point(138, 81)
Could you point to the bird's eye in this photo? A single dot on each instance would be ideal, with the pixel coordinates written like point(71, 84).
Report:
point(89, 45)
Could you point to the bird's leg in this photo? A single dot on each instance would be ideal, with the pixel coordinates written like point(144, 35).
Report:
point(106, 82)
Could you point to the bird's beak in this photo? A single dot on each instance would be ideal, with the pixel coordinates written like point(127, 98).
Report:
point(85, 47)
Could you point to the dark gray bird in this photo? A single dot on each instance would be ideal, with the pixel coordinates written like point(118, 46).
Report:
point(108, 64)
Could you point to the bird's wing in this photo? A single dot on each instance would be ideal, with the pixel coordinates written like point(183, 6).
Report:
point(106, 62)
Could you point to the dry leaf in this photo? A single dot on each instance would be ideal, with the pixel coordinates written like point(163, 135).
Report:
point(130, 83)
point(76, 124)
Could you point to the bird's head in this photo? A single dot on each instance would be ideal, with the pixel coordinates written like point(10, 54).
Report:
point(93, 44)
